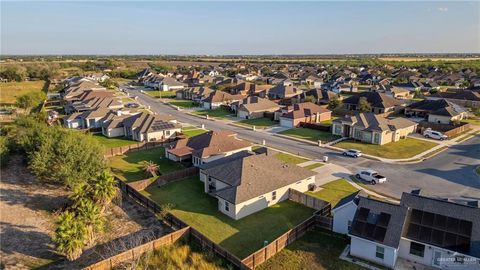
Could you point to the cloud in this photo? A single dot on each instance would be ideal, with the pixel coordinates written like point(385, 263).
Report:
point(442, 9)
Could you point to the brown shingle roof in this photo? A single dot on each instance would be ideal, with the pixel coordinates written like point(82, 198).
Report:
point(305, 109)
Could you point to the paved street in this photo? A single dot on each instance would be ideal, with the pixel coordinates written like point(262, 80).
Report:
point(450, 173)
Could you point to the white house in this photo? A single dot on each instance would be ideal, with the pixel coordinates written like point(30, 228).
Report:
point(427, 231)
point(249, 184)
point(344, 212)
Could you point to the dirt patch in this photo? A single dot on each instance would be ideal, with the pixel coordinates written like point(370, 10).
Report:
point(26, 218)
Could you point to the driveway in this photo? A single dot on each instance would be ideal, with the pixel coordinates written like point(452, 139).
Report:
point(450, 173)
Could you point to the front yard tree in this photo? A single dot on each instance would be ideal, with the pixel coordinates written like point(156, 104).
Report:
point(150, 168)
point(363, 105)
point(70, 235)
point(334, 103)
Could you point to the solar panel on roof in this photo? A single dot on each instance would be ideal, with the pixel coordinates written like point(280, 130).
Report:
point(452, 224)
point(427, 218)
point(383, 219)
point(369, 230)
point(416, 216)
point(363, 214)
point(440, 221)
point(379, 234)
point(465, 227)
point(413, 231)
point(357, 227)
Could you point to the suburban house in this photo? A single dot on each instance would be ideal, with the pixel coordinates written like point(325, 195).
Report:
point(439, 111)
point(254, 107)
point(248, 88)
point(320, 96)
point(394, 91)
point(79, 85)
point(219, 98)
point(249, 184)
point(467, 98)
point(380, 103)
point(437, 233)
point(207, 147)
point(373, 128)
point(344, 212)
point(282, 91)
point(306, 112)
point(170, 84)
point(194, 93)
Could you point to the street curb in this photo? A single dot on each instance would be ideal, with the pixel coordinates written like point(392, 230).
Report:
point(200, 116)
point(242, 126)
point(295, 139)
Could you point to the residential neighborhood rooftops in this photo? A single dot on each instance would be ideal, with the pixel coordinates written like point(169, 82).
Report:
point(254, 103)
point(437, 107)
point(378, 100)
point(371, 121)
point(304, 109)
point(255, 175)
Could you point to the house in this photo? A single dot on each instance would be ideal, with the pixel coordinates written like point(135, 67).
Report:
point(194, 93)
point(248, 88)
point(218, 98)
point(282, 91)
point(170, 84)
point(250, 184)
point(433, 232)
point(207, 147)
point(373, 128)
point(142, 127)
point(344, 212)
point(306, 112)
point(254, 107)
point(440, 111)
point(320, 96)
point(394, 91)
point(380, 103)
point(462, 97)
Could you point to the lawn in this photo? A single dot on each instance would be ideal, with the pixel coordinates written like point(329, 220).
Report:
point(309, 134)
point(241, 237)
point(258, 122)
point(193, 131)
point(314, 166)
point(129, 167)
point(329, 122)
point(334, 191)
point(161, 94)
point(404, 148)
point(317, 249)
point(183, 103)
point(473, 120)
point(288, 158)
point(112, 142)
point(11, 90)
point(219, 112)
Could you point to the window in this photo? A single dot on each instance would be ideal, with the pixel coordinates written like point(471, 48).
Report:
point(417, 249)
point(274, 195)
point(380, 252)
point(376, 138)
point(227, 207)
point(338, 129)
point(167, 132)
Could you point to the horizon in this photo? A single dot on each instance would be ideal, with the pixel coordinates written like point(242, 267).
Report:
point(231, 28)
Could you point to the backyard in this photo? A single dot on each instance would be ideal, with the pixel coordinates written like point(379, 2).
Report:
point(241, 237)
point(258, 122)
point(129, 167)
point(405, 148)
point(11, 90)
point(219, 112)
point(113, 142)
point(334, 191)
point(317, 249)
point(309, 134)
point(193, 131)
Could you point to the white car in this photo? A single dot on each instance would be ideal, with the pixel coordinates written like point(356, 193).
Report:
point(352, 153)
point(429, 133)
point(371, 176)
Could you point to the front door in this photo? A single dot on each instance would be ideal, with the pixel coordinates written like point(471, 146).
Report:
point(436, 258)
point(346, 131)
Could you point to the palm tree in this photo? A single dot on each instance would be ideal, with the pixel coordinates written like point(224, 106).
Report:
point(90, 215)
point(70, 235)
point(150, 168)
point(104, 189)
point(80, 195)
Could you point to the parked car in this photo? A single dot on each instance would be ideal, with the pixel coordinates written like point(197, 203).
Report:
point(132, 105)
point(352, 153)
point(371, 176)
point(429, 133)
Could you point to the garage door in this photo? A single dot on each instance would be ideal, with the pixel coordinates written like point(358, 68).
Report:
point(286, 122)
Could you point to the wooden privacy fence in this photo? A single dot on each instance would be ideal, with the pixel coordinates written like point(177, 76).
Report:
point(310, 201)
point(324, 222)
point(136, 252)
point(164, 179)
point(449, 130)
point(135, 147)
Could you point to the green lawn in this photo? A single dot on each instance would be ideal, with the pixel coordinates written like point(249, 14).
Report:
point(192, 132)
point(404, 148)
point(183, 103)
point(309, 134)
point(317, 249)
point(329, 122)
point(161, 94)
point(129, 167)
point(334, 191)
point(473, 121)
point(11, 90)
point(314, 166)
point(219, 112)
point(113, 142)
point(258, 122)
point(241, 237)
point(290, 158)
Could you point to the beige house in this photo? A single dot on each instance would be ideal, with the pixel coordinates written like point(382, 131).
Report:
point(254, 107)
point(439, 111)
point(306, 112)
point(373, 128)
point(247, 184)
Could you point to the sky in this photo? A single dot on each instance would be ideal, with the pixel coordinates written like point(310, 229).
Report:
point(228, 27)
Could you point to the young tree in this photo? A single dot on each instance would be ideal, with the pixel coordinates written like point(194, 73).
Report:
point(30, 100)
point(310, 99)
point(70, 235)
point(363, 105)
point(104, 189)
point(90, 215)
point(334, 103)
point(150, 168)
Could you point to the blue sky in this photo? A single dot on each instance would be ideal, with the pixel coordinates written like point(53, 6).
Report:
point(239, 27)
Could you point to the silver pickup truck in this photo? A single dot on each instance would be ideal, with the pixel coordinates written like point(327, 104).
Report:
point(371, 176)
